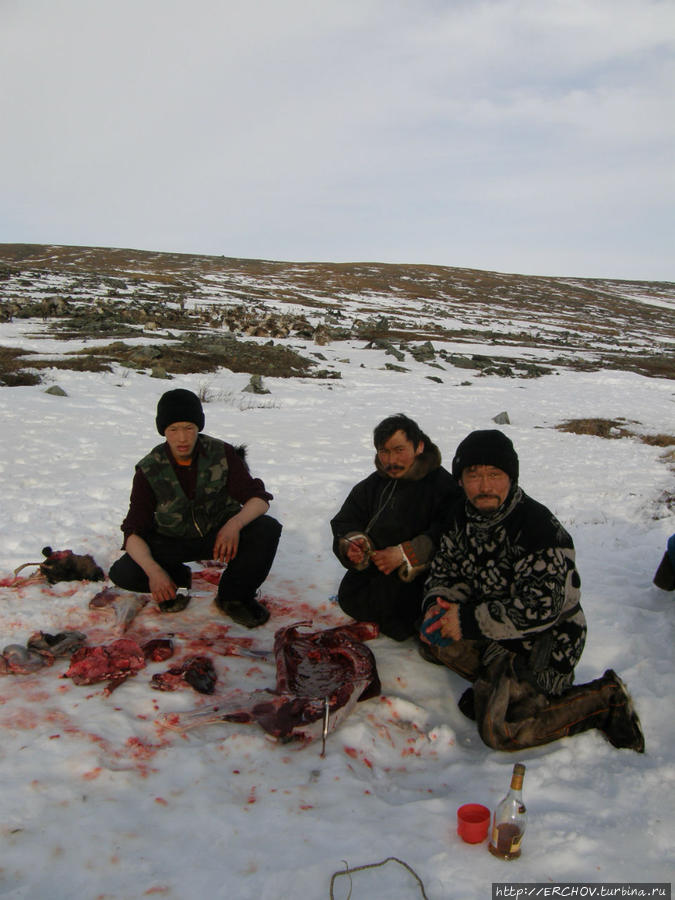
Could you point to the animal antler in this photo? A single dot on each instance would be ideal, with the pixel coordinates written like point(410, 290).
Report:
point(19, 568)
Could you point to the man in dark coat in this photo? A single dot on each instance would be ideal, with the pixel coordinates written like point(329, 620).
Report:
point(388, 528)
point(502, 609)
point(192, 498)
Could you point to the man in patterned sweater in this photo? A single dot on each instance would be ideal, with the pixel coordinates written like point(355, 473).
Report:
point(501, 608)
point(193, 498)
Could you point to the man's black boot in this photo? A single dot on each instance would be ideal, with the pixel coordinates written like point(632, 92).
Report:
point(249, 613)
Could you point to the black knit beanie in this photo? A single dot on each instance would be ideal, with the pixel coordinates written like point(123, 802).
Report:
point(179, 406)
point(486, 448)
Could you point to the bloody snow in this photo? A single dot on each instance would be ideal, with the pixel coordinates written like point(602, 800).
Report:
point(101, 798)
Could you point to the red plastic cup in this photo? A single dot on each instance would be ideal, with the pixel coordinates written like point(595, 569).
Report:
point(472, 822)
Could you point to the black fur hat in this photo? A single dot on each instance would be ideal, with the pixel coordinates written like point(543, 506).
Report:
point(179, 406)
point(486, 448)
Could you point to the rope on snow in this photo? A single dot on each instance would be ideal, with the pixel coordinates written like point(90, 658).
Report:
point(348, 873)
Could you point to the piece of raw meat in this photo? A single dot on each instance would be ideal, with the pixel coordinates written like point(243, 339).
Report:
point(158, 649)
point(197, 671)
point(317, 663)
point(116, 660)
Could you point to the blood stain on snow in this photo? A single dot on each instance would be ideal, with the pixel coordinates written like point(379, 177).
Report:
point(38, 696)
point(300, 610)
point(252, 797)
point(23, 719)
point(92, 774)
point(94, 738)
point(388, 702)
point(214, 631)
point(355, 754)
point(161, 801)
point(159, 889)
point(254, 670)
point(143, 750)
point(13, 582)
point(211, 575)
point(306, 806)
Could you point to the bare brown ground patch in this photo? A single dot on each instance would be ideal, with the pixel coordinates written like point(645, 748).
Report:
point(613, 429)
point(12, 372)
point(197, 356)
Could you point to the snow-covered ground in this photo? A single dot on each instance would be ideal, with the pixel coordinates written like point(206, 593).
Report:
point(99, 801)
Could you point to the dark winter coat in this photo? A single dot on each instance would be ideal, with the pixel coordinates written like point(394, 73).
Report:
point(513, 574)
point(410, 510)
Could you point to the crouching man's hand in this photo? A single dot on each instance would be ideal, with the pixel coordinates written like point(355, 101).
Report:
point(440, 625)
point(227, 541)
point(162, 586)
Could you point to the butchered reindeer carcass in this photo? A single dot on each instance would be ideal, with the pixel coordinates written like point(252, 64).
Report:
point(321, 676)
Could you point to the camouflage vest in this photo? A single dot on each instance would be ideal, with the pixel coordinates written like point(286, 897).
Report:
point(175, 515)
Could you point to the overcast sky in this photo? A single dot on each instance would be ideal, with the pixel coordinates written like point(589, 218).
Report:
point(532, 136)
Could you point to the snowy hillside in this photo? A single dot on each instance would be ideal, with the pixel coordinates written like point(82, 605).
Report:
point(100, 799)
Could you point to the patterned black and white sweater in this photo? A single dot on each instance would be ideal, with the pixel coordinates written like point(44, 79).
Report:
point(514, 576)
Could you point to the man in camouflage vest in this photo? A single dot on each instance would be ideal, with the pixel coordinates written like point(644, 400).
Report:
point(501, 608)
point(193, 498)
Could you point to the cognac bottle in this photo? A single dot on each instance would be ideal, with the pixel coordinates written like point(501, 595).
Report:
point(510, 819)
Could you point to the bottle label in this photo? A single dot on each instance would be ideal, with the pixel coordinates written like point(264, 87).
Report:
point(506, 838)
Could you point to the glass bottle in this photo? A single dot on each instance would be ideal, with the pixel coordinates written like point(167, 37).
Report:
point(510, 819)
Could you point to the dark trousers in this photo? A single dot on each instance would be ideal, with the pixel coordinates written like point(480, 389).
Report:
point(243, 575)
point(373, 597)
point(511, 713)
